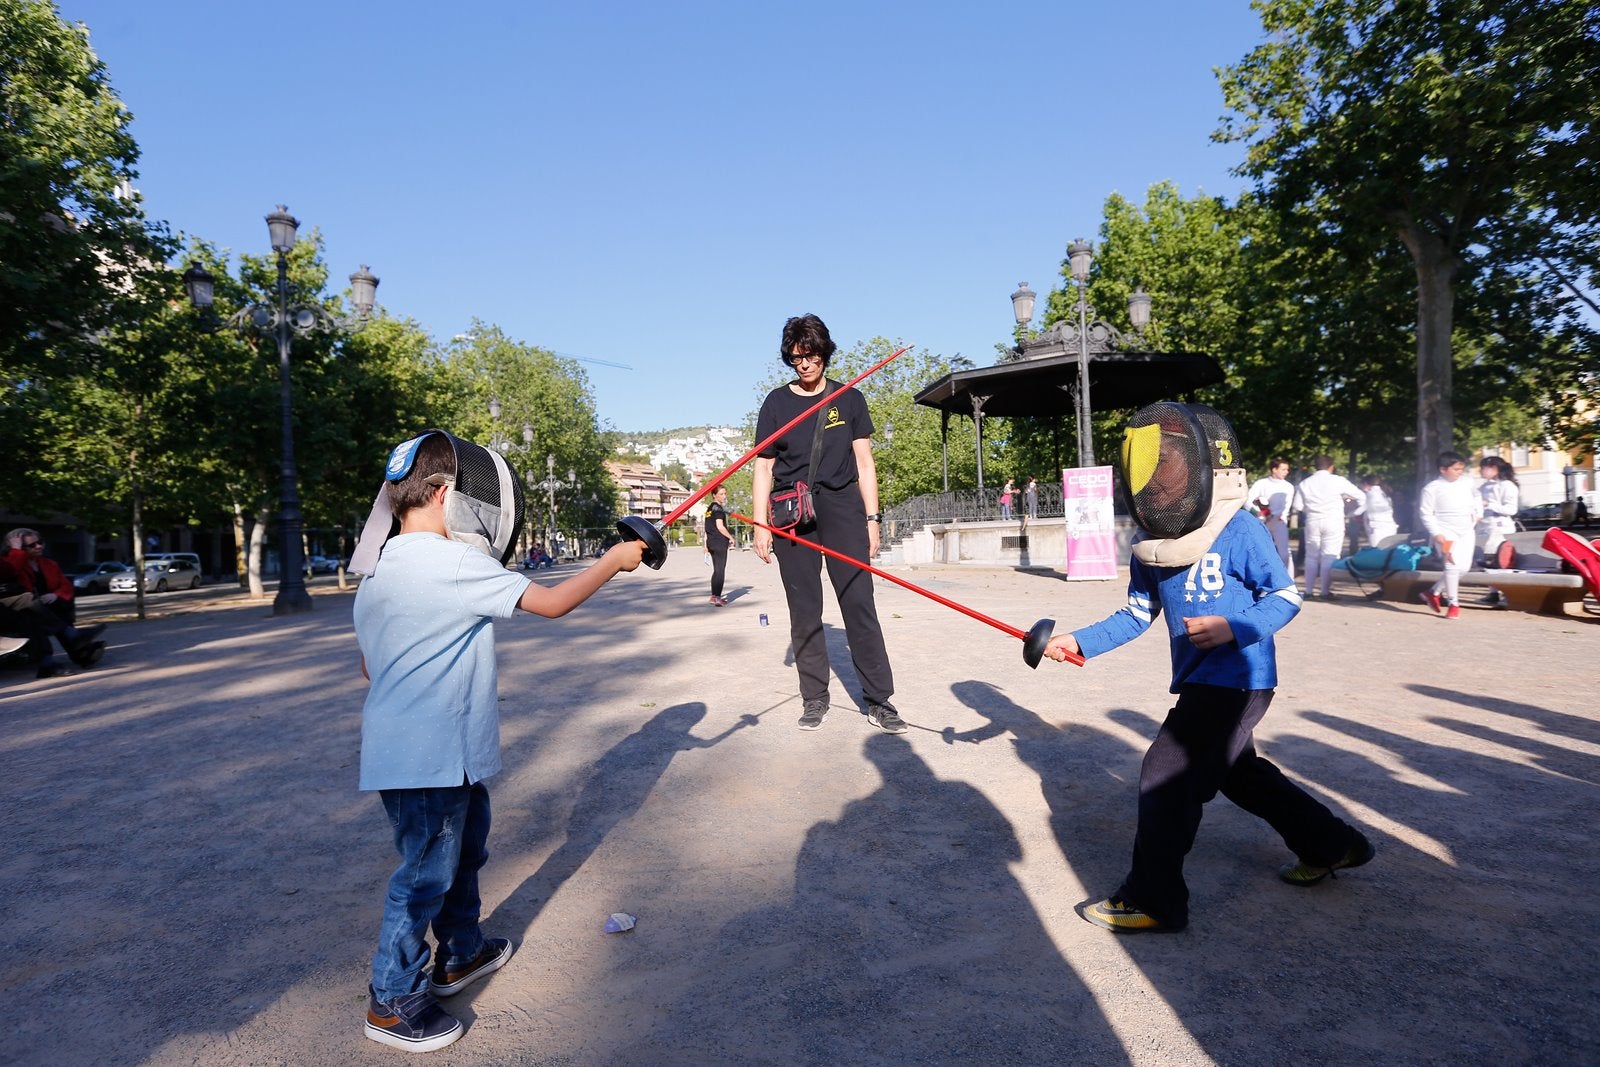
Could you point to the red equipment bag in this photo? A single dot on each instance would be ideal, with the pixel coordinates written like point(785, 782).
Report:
point(1583, 556)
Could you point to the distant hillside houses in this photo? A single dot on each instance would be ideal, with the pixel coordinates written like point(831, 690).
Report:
point(641, 490)
point(701, 454)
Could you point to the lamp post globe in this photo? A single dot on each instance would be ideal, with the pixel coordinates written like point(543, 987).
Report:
point(1022, 304)
point(1139, 310)
point(281, 227)
point(363, 290)
point(200, 286)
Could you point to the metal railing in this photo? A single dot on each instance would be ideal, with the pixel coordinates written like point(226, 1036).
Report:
point(966, 505)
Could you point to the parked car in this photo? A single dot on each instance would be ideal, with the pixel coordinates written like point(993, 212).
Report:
point(161, 575)
point(1539, 516)
point(323, 564)
point(156, 557)
point(96, 577)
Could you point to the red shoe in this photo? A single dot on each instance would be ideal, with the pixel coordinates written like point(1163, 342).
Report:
point(1453, 613)
point(1431, 599)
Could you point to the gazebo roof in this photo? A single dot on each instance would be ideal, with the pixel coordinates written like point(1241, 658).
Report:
point(1044, 385)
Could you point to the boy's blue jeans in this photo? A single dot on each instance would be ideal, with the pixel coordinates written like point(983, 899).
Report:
point(442, 837)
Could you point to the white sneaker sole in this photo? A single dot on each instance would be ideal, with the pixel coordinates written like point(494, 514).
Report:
point(485, 971)
point(432, 1044)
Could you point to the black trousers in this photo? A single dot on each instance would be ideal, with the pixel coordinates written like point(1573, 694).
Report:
point(1205, 746)
point(842, 526)
point(719, 568)
point(23, 616)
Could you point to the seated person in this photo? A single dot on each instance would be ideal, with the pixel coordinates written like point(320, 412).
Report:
point(21, 616)
point(52, 590)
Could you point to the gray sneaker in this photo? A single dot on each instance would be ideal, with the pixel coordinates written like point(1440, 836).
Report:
point(812, 714)
point(884, 717)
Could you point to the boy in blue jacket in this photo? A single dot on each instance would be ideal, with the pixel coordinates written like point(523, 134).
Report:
point(1214, 571)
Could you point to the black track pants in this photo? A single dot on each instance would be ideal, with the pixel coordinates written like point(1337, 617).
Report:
point(842, 526)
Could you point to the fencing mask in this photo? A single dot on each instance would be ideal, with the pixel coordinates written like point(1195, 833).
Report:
point(1179, 462)
point(484, 509)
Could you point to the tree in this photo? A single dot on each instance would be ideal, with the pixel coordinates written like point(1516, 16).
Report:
point(118, 447)
point(1463, 130)
point(548, 393)
point(677, 472)
point(73, 237)
point(1186, 253)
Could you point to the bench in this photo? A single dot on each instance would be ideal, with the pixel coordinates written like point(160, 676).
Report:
point(1536, 591)
point(1541, 588)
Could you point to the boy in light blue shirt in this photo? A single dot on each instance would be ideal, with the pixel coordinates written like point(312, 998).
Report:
point(1215, 572)
point(430, 728)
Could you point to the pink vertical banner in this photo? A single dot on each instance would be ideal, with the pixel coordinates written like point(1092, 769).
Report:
point(1091, 529)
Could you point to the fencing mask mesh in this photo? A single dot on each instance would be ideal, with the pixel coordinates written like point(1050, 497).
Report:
point(484, 509)
point(487, 505)
point(1169, 452)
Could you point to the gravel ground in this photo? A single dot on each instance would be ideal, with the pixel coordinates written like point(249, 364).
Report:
point(198, 880)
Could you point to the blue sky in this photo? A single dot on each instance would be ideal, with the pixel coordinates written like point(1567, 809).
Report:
point(662, 184)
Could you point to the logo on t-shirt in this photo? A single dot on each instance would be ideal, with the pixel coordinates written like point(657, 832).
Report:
point(833, 418)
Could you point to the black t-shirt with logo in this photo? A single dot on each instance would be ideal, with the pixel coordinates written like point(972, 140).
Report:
point(844, 420)
point(714, 538)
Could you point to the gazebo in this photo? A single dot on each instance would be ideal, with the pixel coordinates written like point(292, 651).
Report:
point(1046, 376)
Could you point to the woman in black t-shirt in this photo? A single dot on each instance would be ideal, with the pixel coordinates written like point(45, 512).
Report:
point(717, 539)
point(844, 484)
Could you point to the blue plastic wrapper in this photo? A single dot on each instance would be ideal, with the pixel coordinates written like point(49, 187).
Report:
point(620, 921)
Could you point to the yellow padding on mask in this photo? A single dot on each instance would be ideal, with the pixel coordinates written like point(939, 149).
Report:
point(1141, 452)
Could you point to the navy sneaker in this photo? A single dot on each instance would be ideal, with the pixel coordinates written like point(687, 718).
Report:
point(490, 958)
point(414, 1022)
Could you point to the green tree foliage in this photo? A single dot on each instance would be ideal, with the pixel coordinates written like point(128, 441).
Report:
point(551, 395)
point(1186, 254)
point(677, 472)
point(115, 445)
point(73, 237)
point(1461, 130)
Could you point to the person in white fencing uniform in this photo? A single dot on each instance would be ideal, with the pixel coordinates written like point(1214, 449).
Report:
point(1321, 498)
point(1448, 508)
point(1499, 496)
point(1380, 511)
point(1271, 497)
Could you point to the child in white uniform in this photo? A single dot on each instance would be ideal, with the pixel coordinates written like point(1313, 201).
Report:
point(1449, 509)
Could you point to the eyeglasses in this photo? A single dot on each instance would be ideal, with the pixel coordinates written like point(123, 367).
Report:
point(33, 544)
point(795, 361)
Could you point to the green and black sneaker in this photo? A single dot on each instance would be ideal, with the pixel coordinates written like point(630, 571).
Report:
point(1116, 914)
point(1304, 874)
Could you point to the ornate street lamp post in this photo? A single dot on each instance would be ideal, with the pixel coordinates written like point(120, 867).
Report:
point(1106, 338)
point(1080, 255)
point(504, 446)
point(283, 322)
point(550, 484)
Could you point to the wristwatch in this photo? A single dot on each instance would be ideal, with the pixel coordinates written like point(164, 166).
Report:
point(876, 516)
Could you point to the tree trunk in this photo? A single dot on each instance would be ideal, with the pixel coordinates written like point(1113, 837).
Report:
point(258, 590)
point(1436, 265)
point(240, 564)
point(138, 542)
